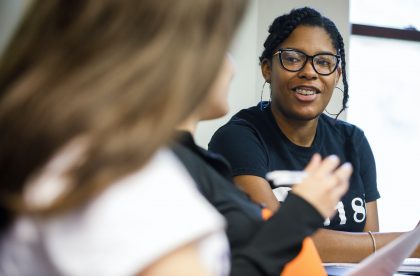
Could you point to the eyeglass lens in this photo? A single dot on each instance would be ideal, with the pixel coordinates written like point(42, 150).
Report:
point(294, 61)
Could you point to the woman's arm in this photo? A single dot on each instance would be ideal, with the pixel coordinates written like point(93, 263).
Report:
point(183, 261)
point(352, 247)
point(333, 246)
point(347, 247)
point(278, 240)
point(336, 246)
point(259, 190)
point(372, 220)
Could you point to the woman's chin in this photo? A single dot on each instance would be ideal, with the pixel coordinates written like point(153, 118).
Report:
point(304, 116)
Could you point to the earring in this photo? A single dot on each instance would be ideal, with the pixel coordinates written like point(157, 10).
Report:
point(263, 104)
point(335, 114)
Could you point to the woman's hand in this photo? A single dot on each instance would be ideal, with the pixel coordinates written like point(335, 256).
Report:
point(324, 184)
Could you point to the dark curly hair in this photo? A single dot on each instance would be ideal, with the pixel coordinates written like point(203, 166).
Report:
point(284, 25)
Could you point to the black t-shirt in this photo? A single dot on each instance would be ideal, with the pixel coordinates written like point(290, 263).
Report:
point(258, 247)
point(254, 145)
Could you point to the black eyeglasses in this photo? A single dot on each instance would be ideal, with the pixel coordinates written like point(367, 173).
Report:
point(294, 60)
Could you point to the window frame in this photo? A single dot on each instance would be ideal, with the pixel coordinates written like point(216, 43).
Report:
point(385, 32)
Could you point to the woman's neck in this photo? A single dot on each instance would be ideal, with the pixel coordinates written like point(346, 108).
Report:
point(301, 133)
point(189, 124)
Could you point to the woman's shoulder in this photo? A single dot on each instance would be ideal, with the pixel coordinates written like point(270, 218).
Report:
point(145, 215)
point(245, 122)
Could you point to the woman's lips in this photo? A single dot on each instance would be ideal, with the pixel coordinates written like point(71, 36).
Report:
point(306, 94)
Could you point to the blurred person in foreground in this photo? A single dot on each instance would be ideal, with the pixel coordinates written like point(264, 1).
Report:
point(89, 93)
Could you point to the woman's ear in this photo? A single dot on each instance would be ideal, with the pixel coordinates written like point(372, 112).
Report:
point(337, 75)
point(266, 70)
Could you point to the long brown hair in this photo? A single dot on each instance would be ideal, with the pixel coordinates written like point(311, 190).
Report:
point(120, 72)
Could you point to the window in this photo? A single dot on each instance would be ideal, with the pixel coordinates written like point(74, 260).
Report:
point(386, 13)
point(385, 103)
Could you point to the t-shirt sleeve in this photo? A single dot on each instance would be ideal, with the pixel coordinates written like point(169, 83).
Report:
point(133, 223)
point(368, 170)
point(242, 147)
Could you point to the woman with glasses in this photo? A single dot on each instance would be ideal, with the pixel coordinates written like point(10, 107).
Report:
point(303, 61)
point(253, 251)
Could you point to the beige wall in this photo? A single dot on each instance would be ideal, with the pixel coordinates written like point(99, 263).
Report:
point(247, 47)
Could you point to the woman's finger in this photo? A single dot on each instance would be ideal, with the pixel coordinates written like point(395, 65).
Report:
point(313, 163)
point(343, 174)
point(328, 165)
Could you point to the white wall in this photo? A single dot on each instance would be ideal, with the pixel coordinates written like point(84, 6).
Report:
point(248, 45)
point(10, 13)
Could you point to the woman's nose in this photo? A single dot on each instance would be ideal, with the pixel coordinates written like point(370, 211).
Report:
point(308, 70)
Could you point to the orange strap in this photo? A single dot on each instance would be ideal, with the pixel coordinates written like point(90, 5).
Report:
point(266, 213)
point(307, 262)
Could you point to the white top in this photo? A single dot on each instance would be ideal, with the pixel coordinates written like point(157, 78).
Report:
point(122, 231)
